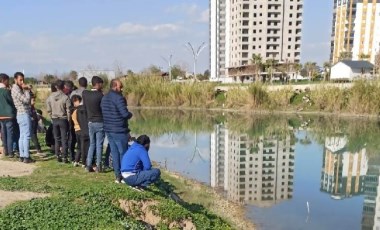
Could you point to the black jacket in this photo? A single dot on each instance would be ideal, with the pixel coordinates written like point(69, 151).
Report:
point(82, 120)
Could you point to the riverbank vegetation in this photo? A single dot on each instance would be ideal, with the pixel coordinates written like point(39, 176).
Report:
point(80, 200)
point(362, 98)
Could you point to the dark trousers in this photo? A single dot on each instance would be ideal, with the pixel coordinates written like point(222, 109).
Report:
point(33, 136)
point(7, 135)
point(72, 141)
point(60, 129)
point(83, 141)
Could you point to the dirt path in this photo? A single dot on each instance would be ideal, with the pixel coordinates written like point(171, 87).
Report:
point(16, 169)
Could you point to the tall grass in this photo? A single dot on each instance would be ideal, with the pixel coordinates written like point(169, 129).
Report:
point(150, 91)
point(154, 91)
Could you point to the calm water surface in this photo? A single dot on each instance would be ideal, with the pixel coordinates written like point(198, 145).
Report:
point(290, 172)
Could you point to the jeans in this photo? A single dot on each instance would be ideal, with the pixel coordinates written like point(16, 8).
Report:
point(60, 129)
point(7, 135)
point(24, 121)
point(143, 178)
point(118, 143)
point(96, 133)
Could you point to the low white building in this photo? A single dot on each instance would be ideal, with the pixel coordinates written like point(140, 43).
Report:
point(351, 70)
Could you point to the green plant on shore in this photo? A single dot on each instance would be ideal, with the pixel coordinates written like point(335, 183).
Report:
point(80, 200)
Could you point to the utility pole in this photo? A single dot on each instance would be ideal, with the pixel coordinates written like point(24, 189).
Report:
point(195, 54)
point(169, 61)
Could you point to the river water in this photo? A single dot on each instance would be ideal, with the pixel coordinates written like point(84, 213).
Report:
point(289, 171)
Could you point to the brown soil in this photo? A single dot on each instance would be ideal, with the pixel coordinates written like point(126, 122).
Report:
point(143, 210)
point(16, 169)
point(9, 197)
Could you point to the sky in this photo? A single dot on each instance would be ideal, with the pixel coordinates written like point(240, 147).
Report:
point(56, 36)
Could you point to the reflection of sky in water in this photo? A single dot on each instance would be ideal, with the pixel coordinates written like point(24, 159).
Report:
point(178, 152)
point(325, 212)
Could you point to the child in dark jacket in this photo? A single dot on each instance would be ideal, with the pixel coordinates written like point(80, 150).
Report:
point(80, 120)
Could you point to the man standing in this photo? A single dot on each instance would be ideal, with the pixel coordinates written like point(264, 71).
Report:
point(136, 167)
point(115, 118)
point(21, 99)
point(58, 106)
point(7, 114)
point(82, 87)
point(91, 102)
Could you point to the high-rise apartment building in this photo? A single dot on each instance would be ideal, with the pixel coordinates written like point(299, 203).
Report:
point(242, 28)
point(356, 30)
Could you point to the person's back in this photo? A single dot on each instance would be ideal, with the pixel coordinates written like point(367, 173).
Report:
point(136, 159)
point(58, 105)
point(115, 118)
point(91, 101)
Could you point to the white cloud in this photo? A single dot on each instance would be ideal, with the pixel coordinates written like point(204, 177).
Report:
point(204, 16)
point(192, 11)
point(128, 28)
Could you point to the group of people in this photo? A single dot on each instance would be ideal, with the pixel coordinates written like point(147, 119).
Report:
point(80, 120)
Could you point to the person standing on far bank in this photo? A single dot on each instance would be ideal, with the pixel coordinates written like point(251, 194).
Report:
point(115, 117)
point(21, 99)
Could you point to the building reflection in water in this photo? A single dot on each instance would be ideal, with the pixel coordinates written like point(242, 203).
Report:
point(343, 172)
point(371, 207)
point(254, 170)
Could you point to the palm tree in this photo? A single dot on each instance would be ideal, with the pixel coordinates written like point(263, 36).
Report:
point(257, 62)
point(269, 67)
point(297, 68)
point(327, 68)
point(310, 68)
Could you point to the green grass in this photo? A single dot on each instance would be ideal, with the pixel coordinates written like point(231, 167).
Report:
point(81, 200)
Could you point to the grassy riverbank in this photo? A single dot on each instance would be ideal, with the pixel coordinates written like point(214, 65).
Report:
point(362, 98)
point(80, 200)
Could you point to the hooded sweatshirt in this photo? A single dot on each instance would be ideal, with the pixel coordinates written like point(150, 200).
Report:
point(7, 108)
point(58, 105)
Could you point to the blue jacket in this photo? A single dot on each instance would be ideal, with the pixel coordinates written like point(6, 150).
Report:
point(136, 159)
point(115, 113)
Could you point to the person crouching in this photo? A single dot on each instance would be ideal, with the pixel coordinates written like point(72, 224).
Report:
point(136, 167)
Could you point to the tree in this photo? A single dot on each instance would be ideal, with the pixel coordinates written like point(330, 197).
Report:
point(345, 56)
point(363, 56)
point(153, 70)
point(297, 68)
point(257, 61)
point(73, 75)
point(177, 71)
point(206, 74)
point(269, 67)
point(326, 68)
point(130, 73)
point(118, 68)
point(311, 68)
point(31, 80)
point(48, 78)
